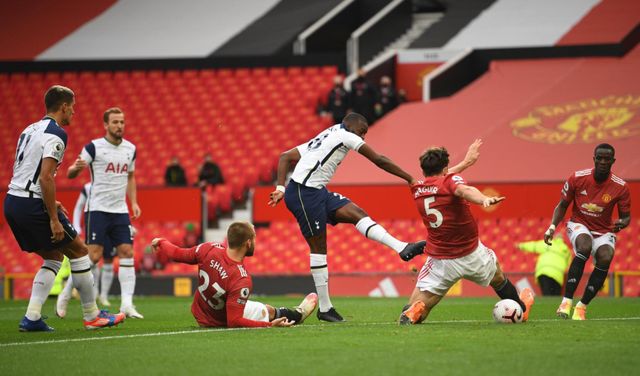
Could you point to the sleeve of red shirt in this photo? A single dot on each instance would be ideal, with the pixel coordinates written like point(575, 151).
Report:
point(568, 189)
point(624, 205)
point(235, 312)
point(168, 250)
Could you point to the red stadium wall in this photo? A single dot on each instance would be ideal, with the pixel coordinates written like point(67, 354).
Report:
point(387, 202)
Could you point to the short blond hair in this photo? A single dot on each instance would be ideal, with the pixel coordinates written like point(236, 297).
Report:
point(238, 233)
point(108, 112)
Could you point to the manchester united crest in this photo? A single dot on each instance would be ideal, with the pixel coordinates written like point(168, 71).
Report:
point(586, 121)
point(606, 198)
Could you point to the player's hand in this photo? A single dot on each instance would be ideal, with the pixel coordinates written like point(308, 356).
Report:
point(548, 235)
point(133, 231)
point(155, 243)
point(79, 164)
point(136, 211)
point(473, 153)
point(492, 201)
point(59, 206)
point(56, 230)
point(282, 322)
point(275, 197)
point(619, 225)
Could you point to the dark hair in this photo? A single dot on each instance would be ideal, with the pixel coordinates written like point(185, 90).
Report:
point(605, 146)
point(238, 233)
point(354, 117)
point(107, 113)
point(56, 96)
point(434, 160)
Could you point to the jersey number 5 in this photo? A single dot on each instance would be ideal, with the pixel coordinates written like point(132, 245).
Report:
point(434, 212)
point(215, 301)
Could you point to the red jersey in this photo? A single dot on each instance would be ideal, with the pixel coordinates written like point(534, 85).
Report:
point(452, 230)
point(224, 285)
point(593, 202)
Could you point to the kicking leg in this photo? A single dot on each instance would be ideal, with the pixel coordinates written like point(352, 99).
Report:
point(506, 290)
point(353, 214)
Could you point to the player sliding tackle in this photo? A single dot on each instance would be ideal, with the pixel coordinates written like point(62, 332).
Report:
point(313, 206)
point(223, 294)
point(453, 246)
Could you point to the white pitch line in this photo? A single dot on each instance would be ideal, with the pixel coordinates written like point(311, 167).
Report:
point(198, 331)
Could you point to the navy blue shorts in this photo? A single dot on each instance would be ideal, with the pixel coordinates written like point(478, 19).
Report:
point(108, 251)
point(29, 222)
point(107, 229)
point(313, 208)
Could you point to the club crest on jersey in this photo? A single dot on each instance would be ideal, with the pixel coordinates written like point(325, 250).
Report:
point(117, 168)
point(606, 198)
point(244, 293)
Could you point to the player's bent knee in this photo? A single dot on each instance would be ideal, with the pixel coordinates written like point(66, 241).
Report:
point(125, 252)
point(604, 255)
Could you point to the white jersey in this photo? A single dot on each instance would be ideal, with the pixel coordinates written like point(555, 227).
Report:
point(43, 139)
point(110, 166)
point(79, 208)
point(321, 156)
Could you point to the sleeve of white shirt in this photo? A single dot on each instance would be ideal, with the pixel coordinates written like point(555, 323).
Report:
point(352, 141)
point(53, 147)
point(78, 210)
point(132, 165)
point(85, 155)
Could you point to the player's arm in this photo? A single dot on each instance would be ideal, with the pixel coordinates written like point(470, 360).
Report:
point(558, 214)
point(624, 211)
point(623, 221)
point(235, 315)
point(473, 195)
point(132, 192)
point(284, 163)
point(473, 153)
point(48, 186)
point(76, 168)
point(164, 249)
point(385, 163)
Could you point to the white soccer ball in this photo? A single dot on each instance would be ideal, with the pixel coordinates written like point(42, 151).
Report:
point(507, 311)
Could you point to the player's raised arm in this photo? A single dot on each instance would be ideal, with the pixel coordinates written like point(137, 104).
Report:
point(473, 153)
point(385, 163)
point(284, 163)
point(473, 195)
point(165, 249)
point(558, 214)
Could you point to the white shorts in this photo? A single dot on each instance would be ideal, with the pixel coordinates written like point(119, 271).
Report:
point(255, 311)
point(597, 240)
point(438, 275)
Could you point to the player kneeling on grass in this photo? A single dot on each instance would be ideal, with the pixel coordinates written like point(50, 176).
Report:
point(453, 246)
point(223, 294)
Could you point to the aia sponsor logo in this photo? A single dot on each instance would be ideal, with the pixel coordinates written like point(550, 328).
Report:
point(586, 121)
point(117, 168)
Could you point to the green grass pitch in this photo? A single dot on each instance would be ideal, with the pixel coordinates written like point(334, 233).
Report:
point(460, 338)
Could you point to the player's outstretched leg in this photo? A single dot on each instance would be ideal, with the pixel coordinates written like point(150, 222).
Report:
point(411, 250)
point(412, 314)
point(527, 297)
point(307, 306)
point(374, 231)
point(42, 283)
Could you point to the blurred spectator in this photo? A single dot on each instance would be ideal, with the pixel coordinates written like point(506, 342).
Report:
point(338, 101)
point(148, 262)
point(387, 97)
point(363, 97)
point(191, 237)
point(209, 173)
point(174, 176)
point(553, 262)
point(402, 96)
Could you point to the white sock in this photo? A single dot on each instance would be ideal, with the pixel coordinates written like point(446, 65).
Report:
point(42, 283)
point(374, 231)
point(127, 278)
point(95, 272)
point(320, 273)
point(106, 279)
point(83, 282)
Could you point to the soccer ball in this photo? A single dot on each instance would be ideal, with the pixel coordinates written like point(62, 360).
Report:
point(507, 311)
